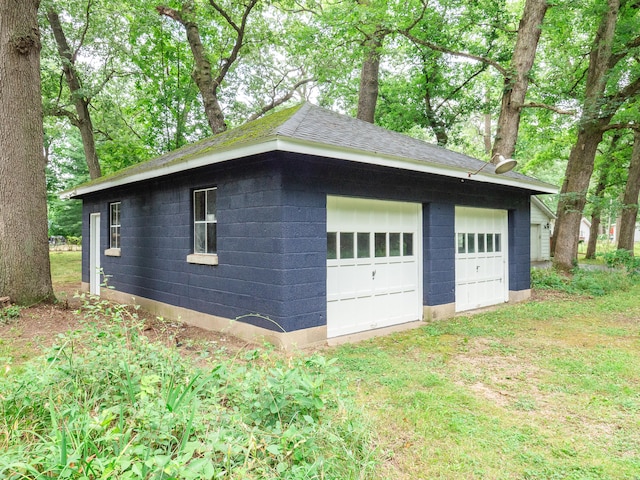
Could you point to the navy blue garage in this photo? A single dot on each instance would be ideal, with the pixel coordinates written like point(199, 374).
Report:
point(307, 226)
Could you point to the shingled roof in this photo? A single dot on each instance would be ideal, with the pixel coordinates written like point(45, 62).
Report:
point(310, 129)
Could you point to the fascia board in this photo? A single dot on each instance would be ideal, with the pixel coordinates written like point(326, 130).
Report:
point(286, 144)
point(543, 207)
point(208, 159)
point(385, 160)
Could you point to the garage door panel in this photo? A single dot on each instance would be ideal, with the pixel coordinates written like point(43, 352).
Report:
point(381, 285)
point(481, 257)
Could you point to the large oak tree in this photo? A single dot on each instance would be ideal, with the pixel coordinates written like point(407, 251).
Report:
point(629, 212)
point(515, 73)
point(24, 254)
point(601, 103)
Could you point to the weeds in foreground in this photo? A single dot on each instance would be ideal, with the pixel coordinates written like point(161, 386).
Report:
point(111, 404)
point(583, 282)
point(9, 314)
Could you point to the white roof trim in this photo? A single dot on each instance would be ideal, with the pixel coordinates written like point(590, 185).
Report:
point(285, 144)
point(181, 166)
point(545, 210)
point(385, 160)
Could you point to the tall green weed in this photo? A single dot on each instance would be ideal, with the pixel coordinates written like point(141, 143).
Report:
point(582, 281)
point(623, 259)
point(108, 403)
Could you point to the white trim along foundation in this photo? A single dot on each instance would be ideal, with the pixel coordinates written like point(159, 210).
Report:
point(309, 337)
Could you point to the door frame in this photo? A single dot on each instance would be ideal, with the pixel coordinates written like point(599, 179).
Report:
point(94, 254)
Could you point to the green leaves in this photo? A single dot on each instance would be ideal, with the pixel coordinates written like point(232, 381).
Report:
point(122, 407)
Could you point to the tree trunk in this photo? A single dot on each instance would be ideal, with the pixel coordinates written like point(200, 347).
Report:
point(80, 101)
point(369, 75)
point(581, 159)
point(204, 80)
point(516, 82)
point(437, 126)
point(596, 214)
point(202, 73)
point(629, 214)
point(596, 220)
point(573, 195)
point(25, 274)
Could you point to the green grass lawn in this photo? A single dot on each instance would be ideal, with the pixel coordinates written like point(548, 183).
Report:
point(602, 247)
point(66, 267)
point(541, 390)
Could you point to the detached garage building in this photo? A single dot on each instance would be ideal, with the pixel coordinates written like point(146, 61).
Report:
point(306, 226)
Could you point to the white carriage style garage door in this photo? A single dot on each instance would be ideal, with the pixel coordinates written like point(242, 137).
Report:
point(481, 258)
point(374, 269)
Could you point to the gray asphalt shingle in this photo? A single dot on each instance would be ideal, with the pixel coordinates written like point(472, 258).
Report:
point(314, 125)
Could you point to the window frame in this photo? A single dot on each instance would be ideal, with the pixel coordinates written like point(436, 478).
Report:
point(115, 227)
point(204, 257)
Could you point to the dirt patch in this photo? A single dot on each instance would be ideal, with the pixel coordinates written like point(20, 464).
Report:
point(39, 327)
point(500, 377)
point(541, 295)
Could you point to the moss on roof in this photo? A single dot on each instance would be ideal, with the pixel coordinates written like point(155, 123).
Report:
point(249, 133)
point(328, 133)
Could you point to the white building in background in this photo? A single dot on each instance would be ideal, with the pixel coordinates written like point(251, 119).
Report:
point(585, 230)
point(542, 220)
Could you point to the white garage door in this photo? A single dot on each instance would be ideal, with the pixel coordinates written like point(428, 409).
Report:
point(373, 264)
point(481, 258)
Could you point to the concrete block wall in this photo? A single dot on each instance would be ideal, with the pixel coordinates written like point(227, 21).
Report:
point(318, 177)
point(272, 235)
point(157, 236)
point(520, 247)
point(438, 227)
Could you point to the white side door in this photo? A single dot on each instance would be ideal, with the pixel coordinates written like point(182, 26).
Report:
point(374, 274)
point(94, 254)
point(481, 257)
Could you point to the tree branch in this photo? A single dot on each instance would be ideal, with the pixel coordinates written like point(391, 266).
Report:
point(84, 32)
point(623, 95)
point(131, 129)
point(108, 76)
point(439, 48)
point(104, 134)
point(616, 57)
point(622, 126)
point(62, 113)
point(280, 100)
point(419, 17)
point(227, 62)
point(461, 86)
point(548, 107)
point(171, 13)
point(243, 23)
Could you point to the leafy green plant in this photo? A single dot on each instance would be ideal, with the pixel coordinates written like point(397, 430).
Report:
point(582, 281)
point(108, 403)
point(547, 278)
point(7, 314)
point(624, 259)
point(71, 240)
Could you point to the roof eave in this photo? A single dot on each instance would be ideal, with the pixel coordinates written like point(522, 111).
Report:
point(218, 156)
point(294, 145)
point(386, 160)
point(543, 207)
